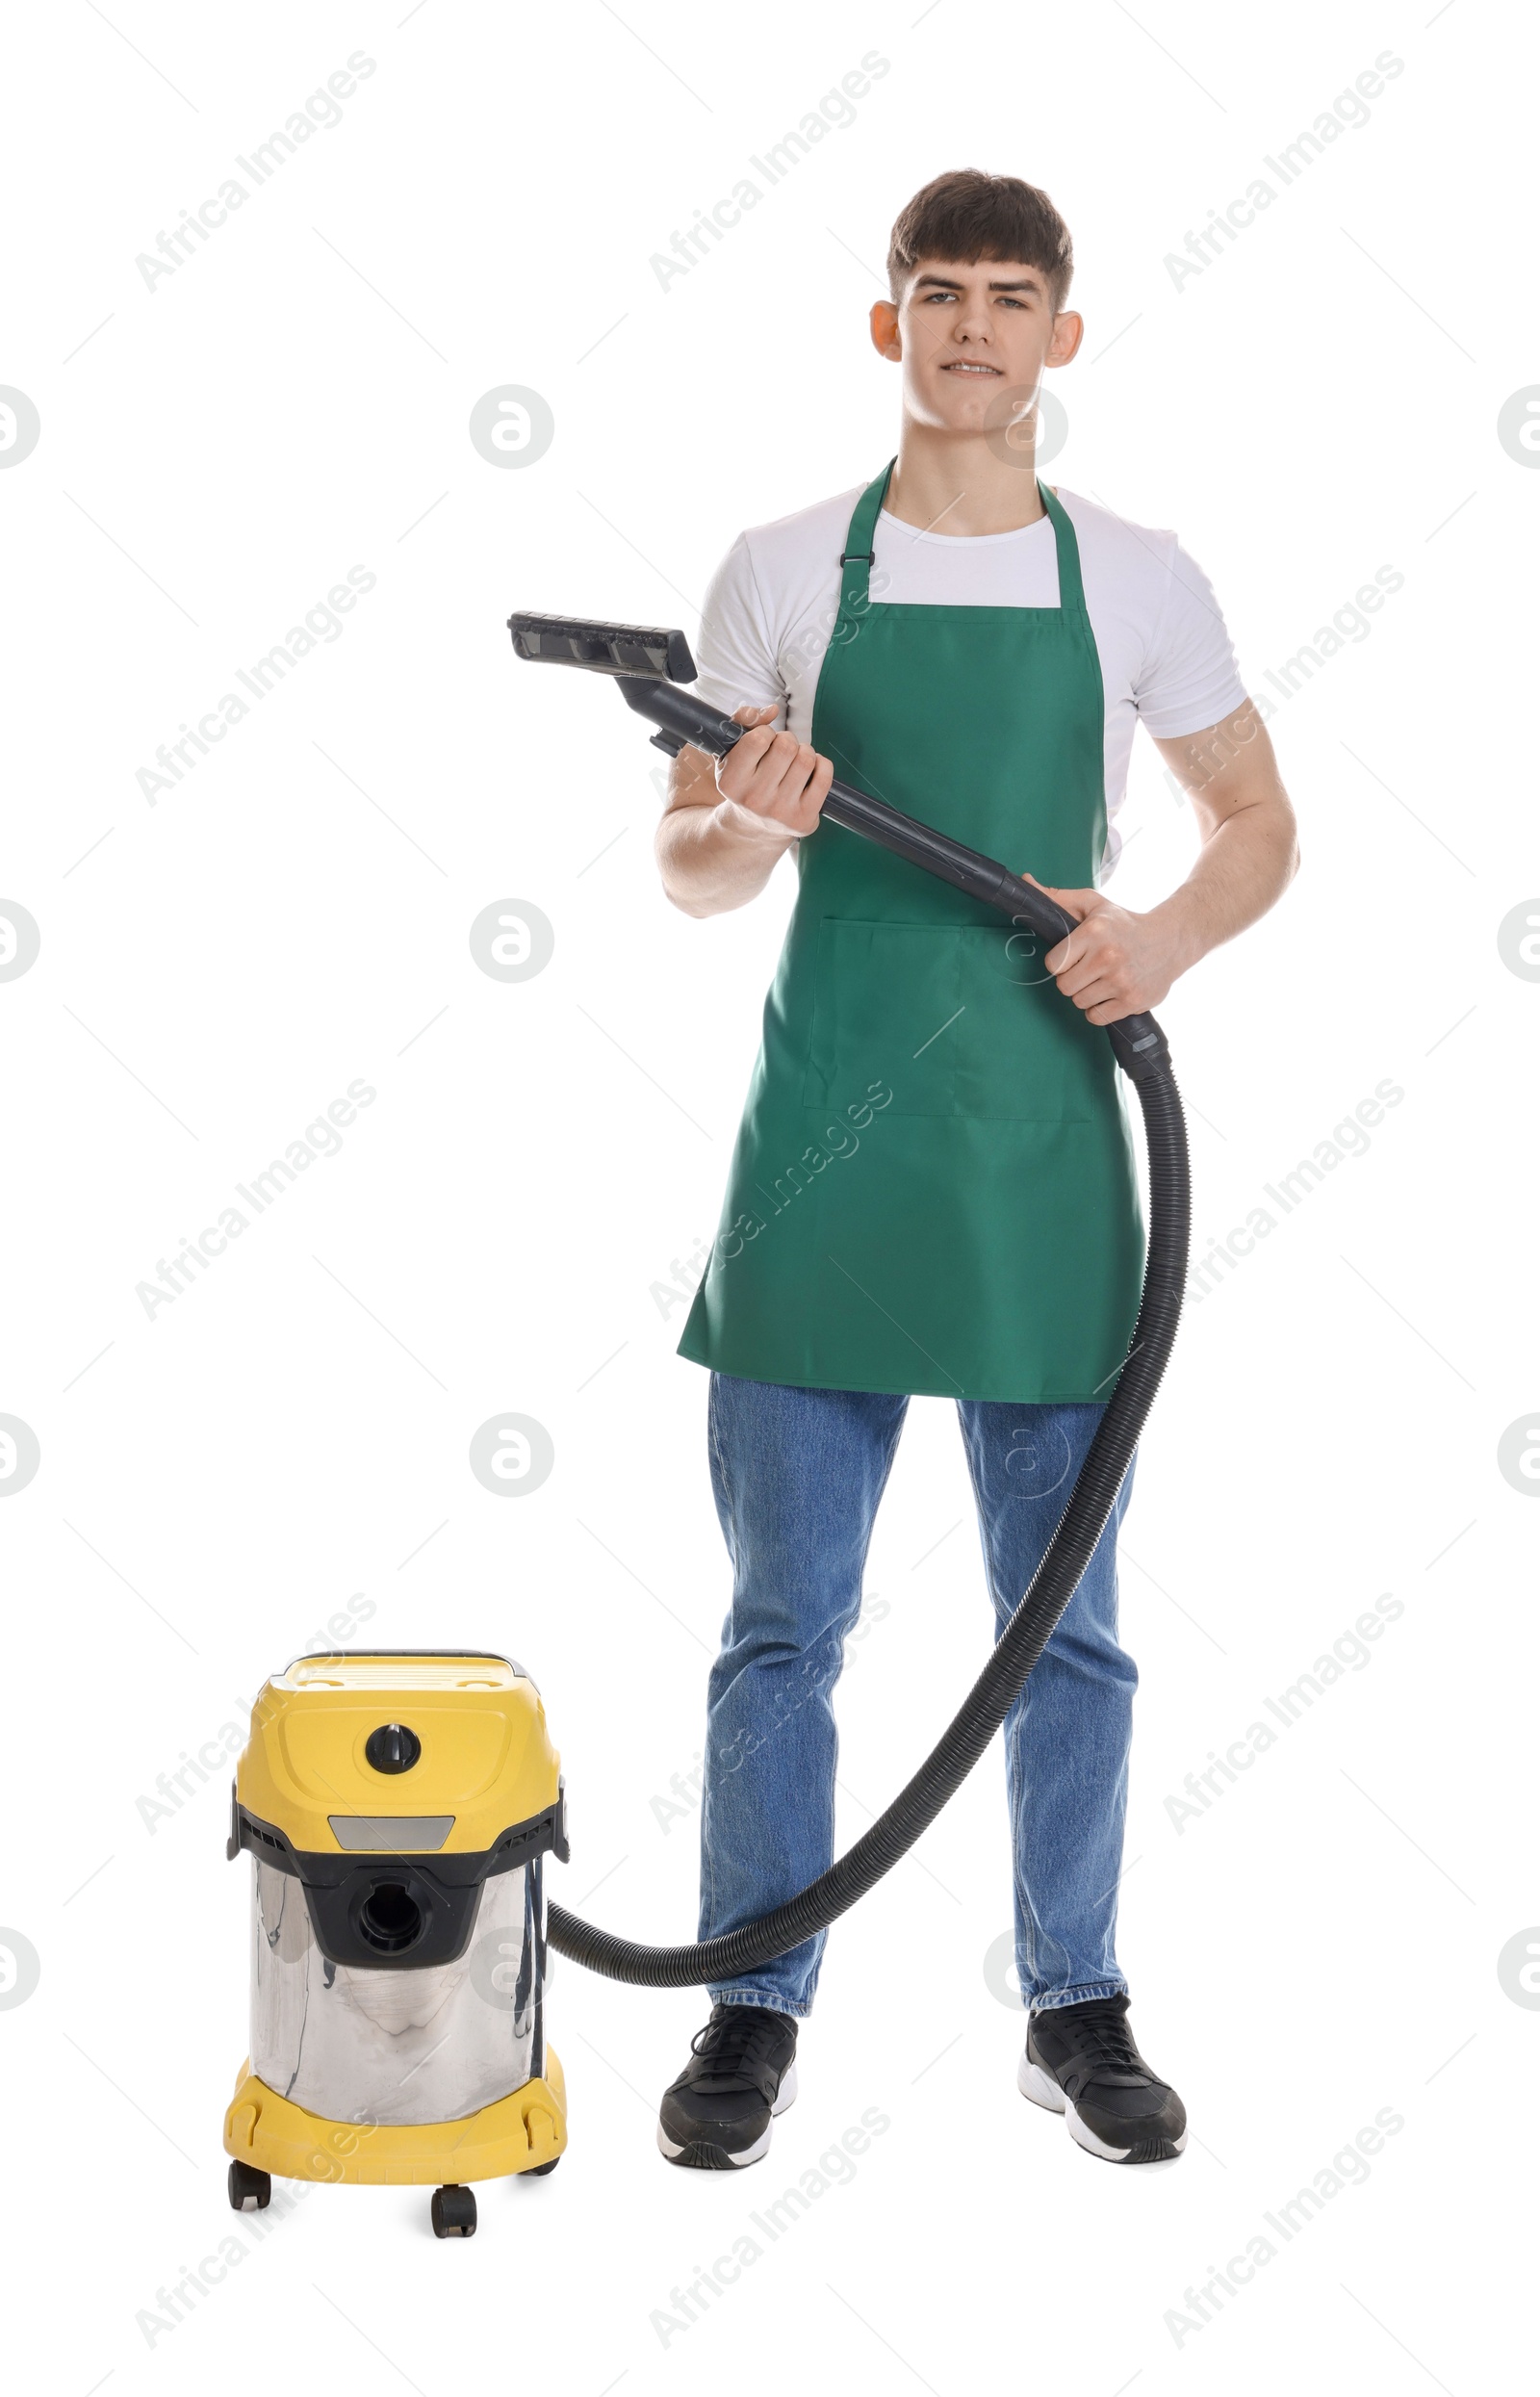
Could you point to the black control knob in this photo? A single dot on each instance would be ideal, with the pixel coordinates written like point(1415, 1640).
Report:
point(393, 1748)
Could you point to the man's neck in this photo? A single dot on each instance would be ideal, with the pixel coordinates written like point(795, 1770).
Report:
point(959, 485)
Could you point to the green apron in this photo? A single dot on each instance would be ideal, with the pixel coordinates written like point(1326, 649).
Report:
point(933, 1188)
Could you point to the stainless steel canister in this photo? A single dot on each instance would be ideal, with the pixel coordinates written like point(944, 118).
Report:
point(361, 2044)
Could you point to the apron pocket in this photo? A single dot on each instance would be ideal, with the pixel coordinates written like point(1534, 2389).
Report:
point(887, 1007)
point(950, 1020)
point(1022, 1050)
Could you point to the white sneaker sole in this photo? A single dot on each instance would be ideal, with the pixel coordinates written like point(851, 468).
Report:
point(1045, 2091)
point(785, 2097)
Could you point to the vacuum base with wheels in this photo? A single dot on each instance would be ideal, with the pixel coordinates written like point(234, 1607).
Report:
point(269, 2135)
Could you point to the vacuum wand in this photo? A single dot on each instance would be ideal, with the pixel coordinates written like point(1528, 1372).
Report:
point(651, 662)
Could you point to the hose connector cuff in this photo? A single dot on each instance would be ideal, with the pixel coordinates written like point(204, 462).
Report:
point(1140, 1047)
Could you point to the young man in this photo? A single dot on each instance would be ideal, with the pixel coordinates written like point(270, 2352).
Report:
point(933, 1188)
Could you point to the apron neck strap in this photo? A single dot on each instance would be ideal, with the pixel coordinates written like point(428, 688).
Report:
point(1071, 590)
point(857, 559)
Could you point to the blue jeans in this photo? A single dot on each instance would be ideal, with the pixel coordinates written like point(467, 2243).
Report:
point(798, 1477)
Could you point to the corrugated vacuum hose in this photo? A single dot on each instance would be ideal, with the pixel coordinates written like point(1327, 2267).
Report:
point(651, 662)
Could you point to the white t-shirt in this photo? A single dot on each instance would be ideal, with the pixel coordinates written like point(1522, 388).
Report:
point(1165, 656)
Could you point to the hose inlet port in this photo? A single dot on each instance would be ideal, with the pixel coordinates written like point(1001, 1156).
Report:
point(389, 1918)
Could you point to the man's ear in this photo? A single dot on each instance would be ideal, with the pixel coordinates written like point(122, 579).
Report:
point(886, 338)
point(1068, 331)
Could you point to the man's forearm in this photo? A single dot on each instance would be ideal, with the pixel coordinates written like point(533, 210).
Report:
point(724, 830)
point(1244, 868)
point(713, 859)
point(1119, 961)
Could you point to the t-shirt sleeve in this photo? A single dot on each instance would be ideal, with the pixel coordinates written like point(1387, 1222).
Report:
point(736, 652)
point(1189, 679)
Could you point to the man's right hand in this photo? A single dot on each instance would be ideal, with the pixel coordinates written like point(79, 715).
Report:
point(774, 775)
point(725, 827)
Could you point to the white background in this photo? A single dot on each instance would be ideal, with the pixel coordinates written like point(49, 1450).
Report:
point(215, 1482)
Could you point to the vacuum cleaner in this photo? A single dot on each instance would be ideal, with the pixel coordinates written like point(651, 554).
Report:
point(372, 1929)
point(398, 1808)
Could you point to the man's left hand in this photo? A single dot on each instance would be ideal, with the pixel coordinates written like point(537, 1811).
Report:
point(1115, 962)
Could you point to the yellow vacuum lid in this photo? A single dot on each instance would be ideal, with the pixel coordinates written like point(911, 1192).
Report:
point(412, 1751)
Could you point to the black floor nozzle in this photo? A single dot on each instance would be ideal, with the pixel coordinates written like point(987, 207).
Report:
point(626, 649)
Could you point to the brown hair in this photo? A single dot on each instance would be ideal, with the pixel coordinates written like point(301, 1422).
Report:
point(967, 215)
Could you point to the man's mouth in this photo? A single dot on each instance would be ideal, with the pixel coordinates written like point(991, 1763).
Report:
point(969, 365)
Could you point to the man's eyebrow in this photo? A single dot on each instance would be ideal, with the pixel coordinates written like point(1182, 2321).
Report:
point(949, 283)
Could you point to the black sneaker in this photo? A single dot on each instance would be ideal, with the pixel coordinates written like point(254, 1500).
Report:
point(741, 2072)
point(1081, 2062)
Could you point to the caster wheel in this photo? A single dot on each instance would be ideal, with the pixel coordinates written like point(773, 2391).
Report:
point(454, 2212)
point(249, 2189)
point(538, 2172)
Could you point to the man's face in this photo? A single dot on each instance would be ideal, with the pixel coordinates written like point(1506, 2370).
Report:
point(973, 341)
